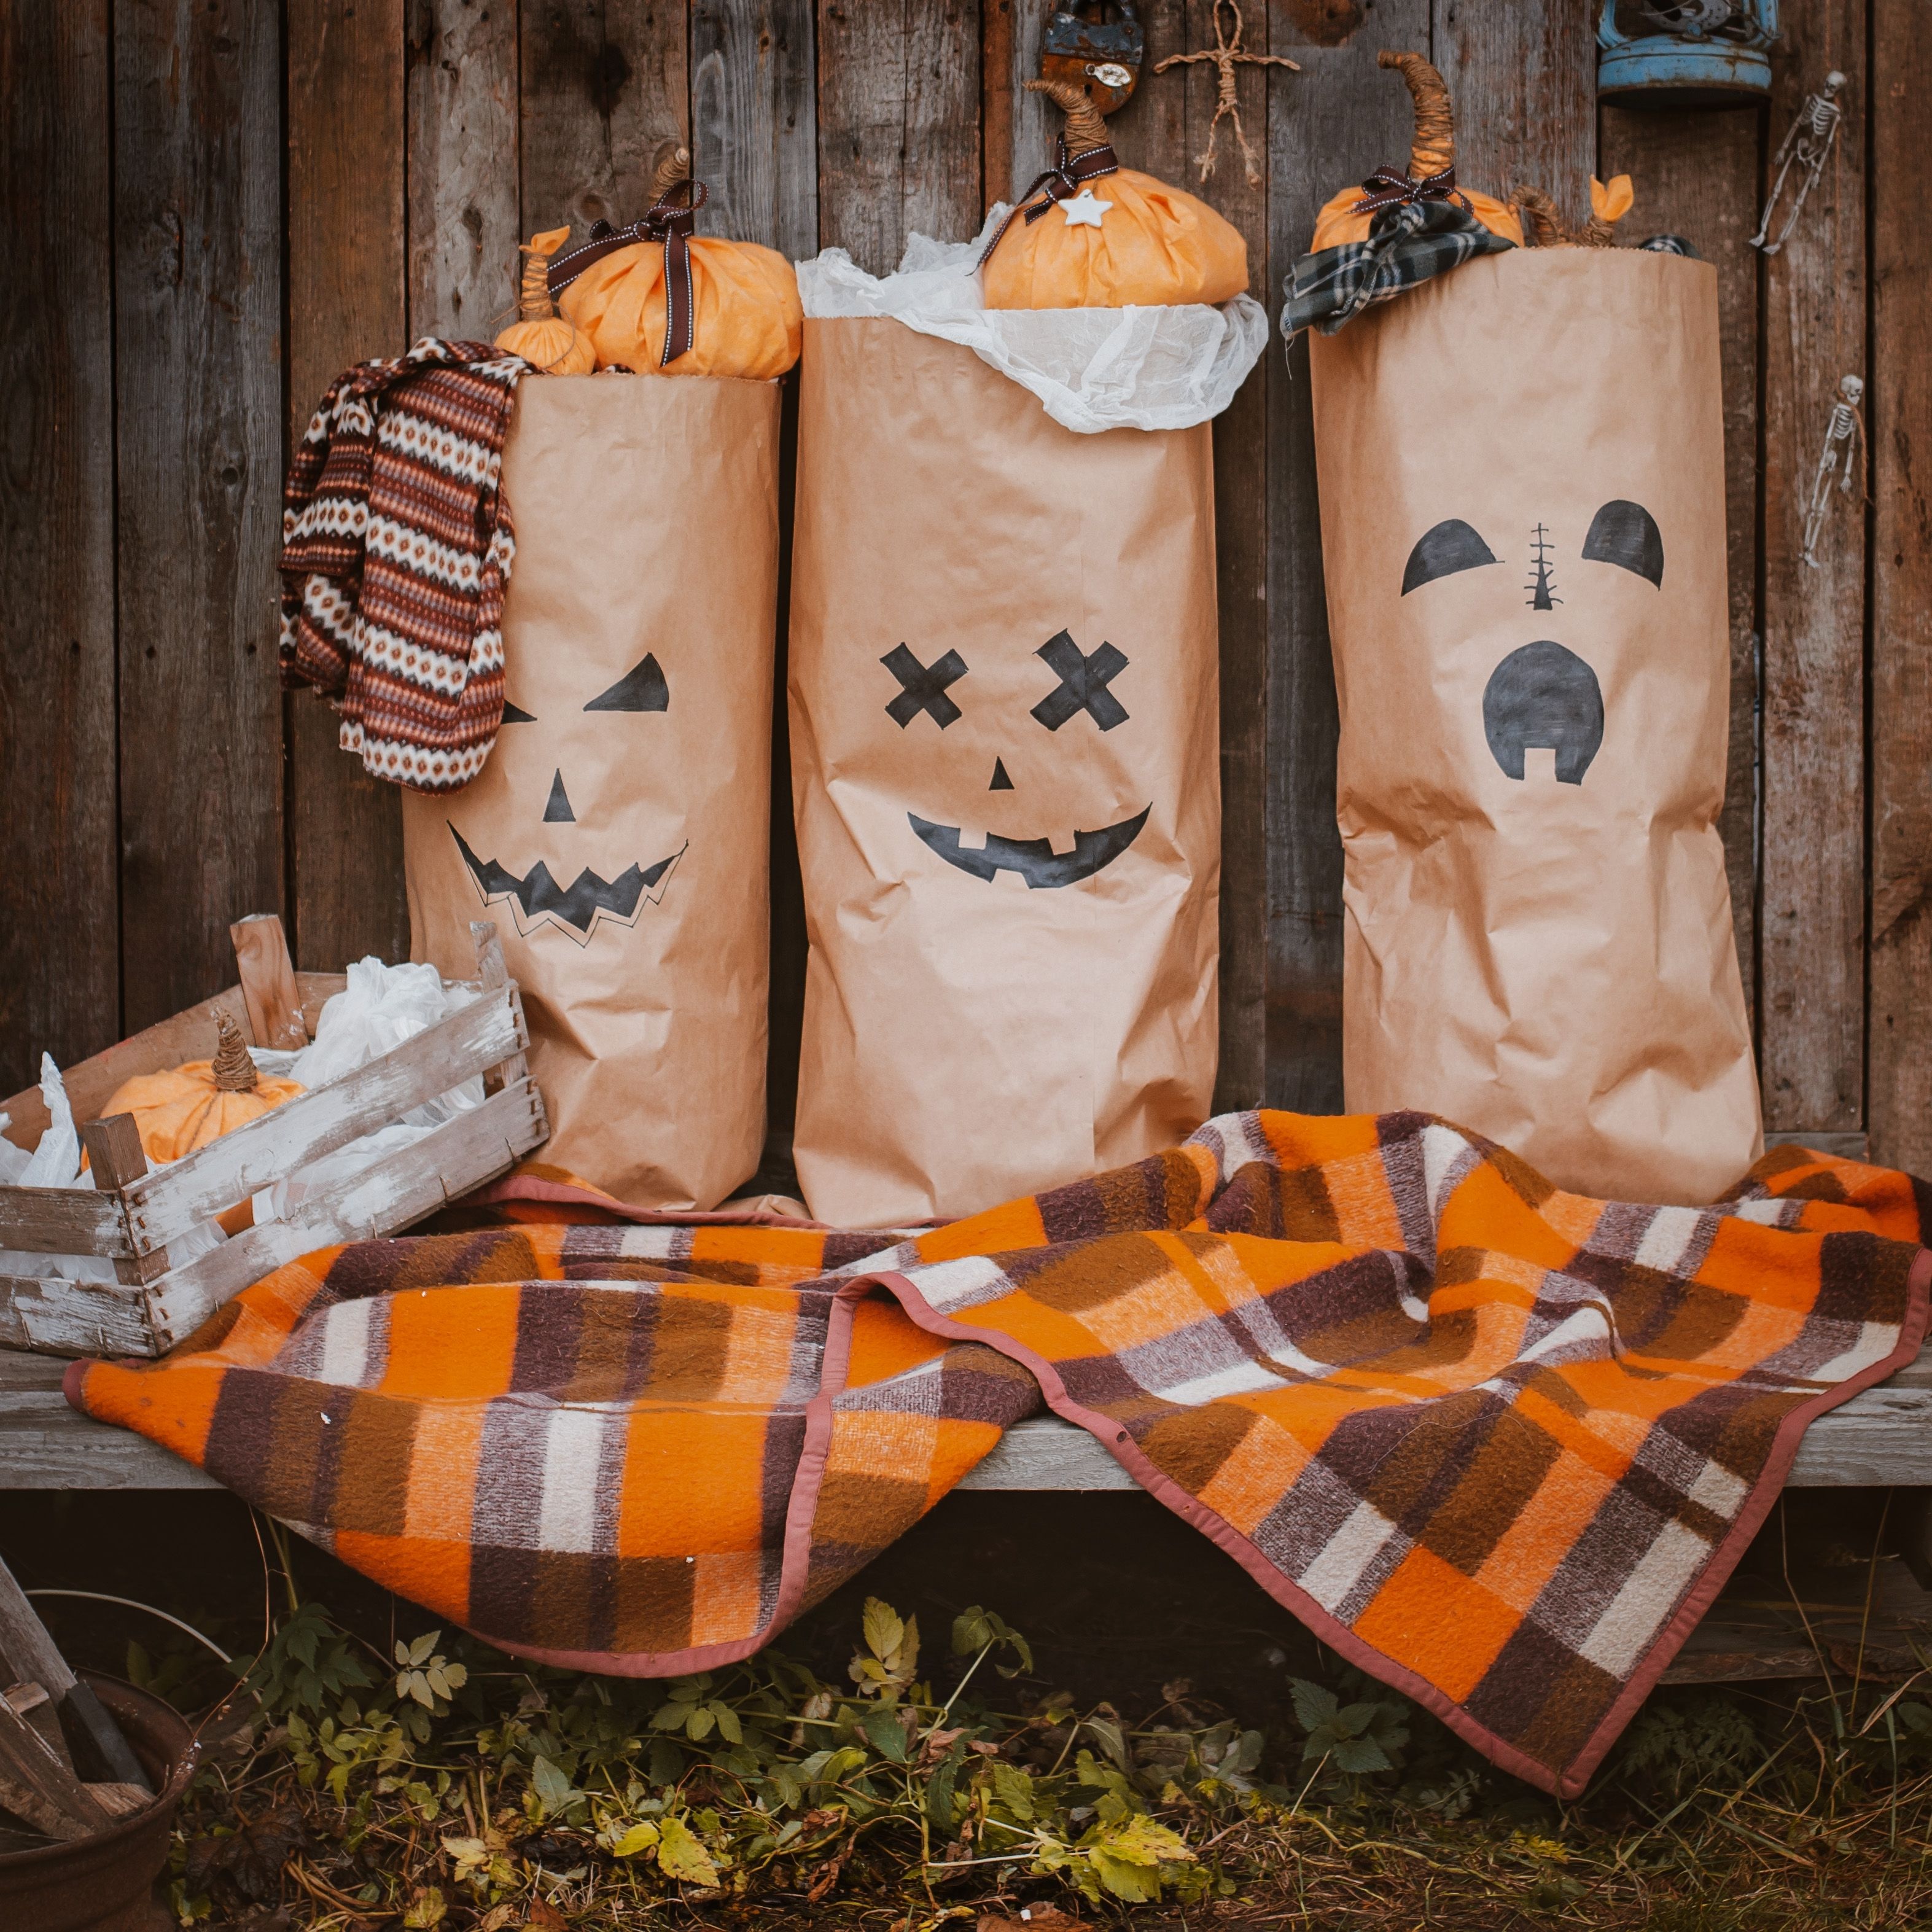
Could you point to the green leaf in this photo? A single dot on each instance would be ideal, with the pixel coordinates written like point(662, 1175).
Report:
point(554, 1791)
point(1013, 1790)
point(1110, 1740)
point(881, 1724)
point(727, 1720)
point(1315, 1705)
point(667, 1762)
point(884, 1631)
point(697, 1726)
point(682, 1857)
point(1138, 1884)
point(674, 1716)
point(640, 1838)
point(941, 1792)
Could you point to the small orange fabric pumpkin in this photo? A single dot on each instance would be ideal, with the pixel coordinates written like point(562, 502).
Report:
point(1153, 246)
point(539, 334)
point(1432, 151)
point(747, 321)
point(187, 1107)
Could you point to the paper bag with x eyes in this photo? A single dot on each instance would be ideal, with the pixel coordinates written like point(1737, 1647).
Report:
point(618, 835)
point(1526, 597)
point(1005, 774)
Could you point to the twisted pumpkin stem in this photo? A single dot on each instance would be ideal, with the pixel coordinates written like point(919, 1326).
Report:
point(1539, 215)
point(234, 1067)
point(670, 165)
point(1086, 126)
point(1433, 148)
point(533, 301)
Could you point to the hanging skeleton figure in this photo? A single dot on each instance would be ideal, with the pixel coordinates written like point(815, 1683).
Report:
point(1844, 442)
point(1806, 146)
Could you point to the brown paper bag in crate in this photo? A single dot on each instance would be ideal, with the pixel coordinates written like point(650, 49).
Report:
point(619, 834)
point(1006, 774)
point(1521, 467)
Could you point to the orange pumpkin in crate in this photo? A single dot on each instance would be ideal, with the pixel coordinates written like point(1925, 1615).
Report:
point(186, 1107)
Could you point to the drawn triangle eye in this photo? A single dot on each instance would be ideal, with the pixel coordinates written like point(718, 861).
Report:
point(642, 688)
point(515, 714)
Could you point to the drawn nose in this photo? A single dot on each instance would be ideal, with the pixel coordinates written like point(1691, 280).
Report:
point(558, 811)
point(1000, 780)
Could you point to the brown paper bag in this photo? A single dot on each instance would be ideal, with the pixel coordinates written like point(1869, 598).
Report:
point(1521, 468)
point(1005, 771)
point(619, 834)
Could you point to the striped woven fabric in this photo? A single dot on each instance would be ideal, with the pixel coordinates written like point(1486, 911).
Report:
point(1499, 1445)
point(397, 549)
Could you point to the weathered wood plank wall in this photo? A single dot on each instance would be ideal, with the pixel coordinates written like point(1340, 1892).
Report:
point(216, 207)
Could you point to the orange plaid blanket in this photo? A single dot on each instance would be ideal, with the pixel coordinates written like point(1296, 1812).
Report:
point(1498, 1444)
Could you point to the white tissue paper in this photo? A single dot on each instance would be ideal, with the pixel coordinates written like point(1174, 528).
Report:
point(54, 1162)
point(1094, 369)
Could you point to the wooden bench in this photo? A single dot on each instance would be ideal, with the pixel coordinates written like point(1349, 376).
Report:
point(1882, 1437)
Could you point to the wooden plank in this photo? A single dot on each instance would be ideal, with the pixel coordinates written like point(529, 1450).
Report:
point(167, 1203)
point(60, 1221)
point(1900, 399)
point(754, 123)
point(59, 978)
point(198, 373)
point(602, 83)
point(1327, 125)
point(1812, 945)
point(1845, 1146)
point(463, 167)
point(32, 1653)
point(1017, 128)
point(45, 1444)
point(54, 1316)
point(899, 124)
point(1522, 81)
point(269, 989)
point(383, 1198)
point(346, 304)
point(1696, 175)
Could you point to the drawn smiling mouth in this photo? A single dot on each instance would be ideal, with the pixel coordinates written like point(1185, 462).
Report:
point(1034, 860)
point(578, 907)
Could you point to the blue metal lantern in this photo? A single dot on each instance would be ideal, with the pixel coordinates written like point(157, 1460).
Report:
point(1692, 53)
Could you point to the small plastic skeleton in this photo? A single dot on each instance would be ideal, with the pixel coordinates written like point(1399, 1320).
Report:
point(1844, 441)
point(1806, 146)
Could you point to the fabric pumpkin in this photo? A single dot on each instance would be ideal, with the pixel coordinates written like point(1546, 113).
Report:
point(187, 1107)
point(747, 320)
point(541, 337)
point(1433, 152)
point(1154, 246)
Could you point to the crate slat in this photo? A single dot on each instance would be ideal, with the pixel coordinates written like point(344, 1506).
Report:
point(61, 1221)
point(53, 1316)
point(166, 1205)
point(398, 1189)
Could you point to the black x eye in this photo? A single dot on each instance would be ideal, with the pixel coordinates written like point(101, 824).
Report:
point(1083, 684)
point(1625, 534)
point(1451, 546)
point(922, 688)
point(642, 688)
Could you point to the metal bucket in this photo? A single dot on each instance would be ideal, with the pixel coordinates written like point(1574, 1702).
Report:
point(105, 1883)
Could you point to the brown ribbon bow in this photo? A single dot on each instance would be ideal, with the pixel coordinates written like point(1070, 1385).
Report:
point(1061, 182)
point(665, 221)
point(1389, 187)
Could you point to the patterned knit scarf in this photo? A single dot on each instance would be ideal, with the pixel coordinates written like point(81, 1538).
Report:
point(397, 545)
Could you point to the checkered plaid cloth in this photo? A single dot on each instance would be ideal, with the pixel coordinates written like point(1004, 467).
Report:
point(1407, 246)
point(396, 549)
point(1499, 1445)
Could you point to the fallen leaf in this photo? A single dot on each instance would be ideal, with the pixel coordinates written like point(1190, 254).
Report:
point(542, 1916)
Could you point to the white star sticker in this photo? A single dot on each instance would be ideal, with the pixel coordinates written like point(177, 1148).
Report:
point(1085, 206)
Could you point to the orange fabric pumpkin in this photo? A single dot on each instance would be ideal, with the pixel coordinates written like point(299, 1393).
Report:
point(1154, 245)
point(748, 321)
point(187, 1107)
point(539, 334)
point(1432, 150)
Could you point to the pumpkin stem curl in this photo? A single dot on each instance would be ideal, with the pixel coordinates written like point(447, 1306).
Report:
point(233, 1068)
point(533, 301)
point(1086, 129)
point(1542, 218)
point(670, 165)
point(1433, 148)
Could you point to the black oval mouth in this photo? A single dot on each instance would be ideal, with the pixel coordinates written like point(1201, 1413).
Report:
point(577, 905)
point(1543, 695)
point(1034, 860)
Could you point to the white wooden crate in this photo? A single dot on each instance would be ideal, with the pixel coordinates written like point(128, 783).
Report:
point(135, 1214)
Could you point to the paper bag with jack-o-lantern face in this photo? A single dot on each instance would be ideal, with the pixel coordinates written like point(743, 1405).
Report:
point(1004, 757)
point(618, 835)
point(1522, 519)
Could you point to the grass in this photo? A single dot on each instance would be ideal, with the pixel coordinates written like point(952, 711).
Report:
point(418, 1783)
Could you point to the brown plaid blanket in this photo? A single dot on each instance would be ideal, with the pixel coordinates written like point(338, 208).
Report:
point(396, 548)
point(1498, 1444)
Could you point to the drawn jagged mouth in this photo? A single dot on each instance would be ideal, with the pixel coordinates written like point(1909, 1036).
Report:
point(1034, 860)
point(577, 906)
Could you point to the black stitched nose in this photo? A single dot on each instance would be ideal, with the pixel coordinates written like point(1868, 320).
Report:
point(1543, 695)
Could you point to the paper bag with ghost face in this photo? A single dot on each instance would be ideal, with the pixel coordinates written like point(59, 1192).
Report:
point(1005, 771)
point(1522, 522)
point(618, 835)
